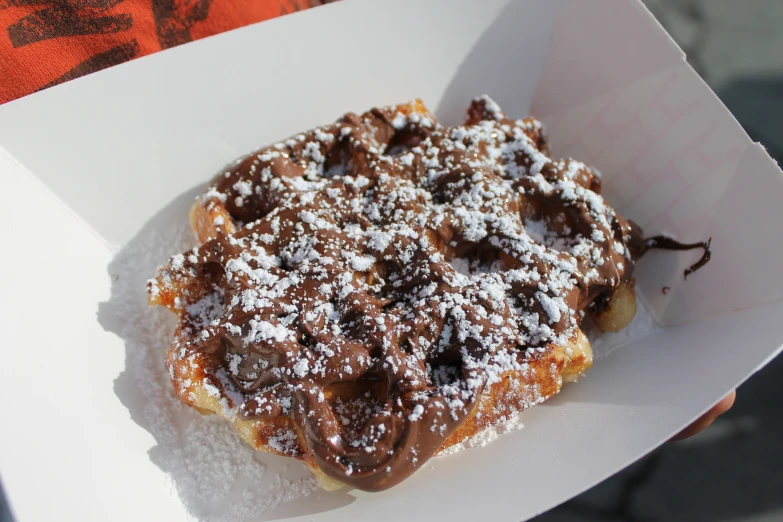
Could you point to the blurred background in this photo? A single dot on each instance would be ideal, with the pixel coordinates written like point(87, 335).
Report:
point(733, 471)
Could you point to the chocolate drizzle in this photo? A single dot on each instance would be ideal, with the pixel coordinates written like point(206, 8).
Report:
point(378, 273)
point(667, 243)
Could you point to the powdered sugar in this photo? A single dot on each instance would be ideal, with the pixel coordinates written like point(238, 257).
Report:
point(482, 438)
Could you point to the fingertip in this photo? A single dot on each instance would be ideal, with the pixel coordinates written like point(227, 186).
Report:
point(706, 420)
point(725, 403)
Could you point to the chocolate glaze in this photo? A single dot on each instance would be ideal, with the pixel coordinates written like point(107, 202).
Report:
point(391, 254)
point(667, 243)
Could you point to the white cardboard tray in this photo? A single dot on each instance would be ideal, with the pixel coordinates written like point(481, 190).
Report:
point(98, 171)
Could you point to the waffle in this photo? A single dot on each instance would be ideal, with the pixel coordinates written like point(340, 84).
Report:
point(371, 292)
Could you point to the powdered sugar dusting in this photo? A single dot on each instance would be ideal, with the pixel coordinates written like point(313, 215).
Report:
point(486, 436)
point(217, 476)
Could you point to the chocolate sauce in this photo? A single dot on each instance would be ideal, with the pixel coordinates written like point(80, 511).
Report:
point(667, 243)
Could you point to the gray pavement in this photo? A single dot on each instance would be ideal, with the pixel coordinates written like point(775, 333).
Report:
point(732, 472)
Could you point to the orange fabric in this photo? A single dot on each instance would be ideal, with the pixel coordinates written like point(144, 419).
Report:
point(47, 42)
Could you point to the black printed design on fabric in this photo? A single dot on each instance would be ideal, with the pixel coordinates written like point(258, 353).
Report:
point(174, 18)
point(114, 56)
point(60, 18)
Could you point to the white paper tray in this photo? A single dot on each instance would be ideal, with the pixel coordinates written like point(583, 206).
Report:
point(97, 175)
